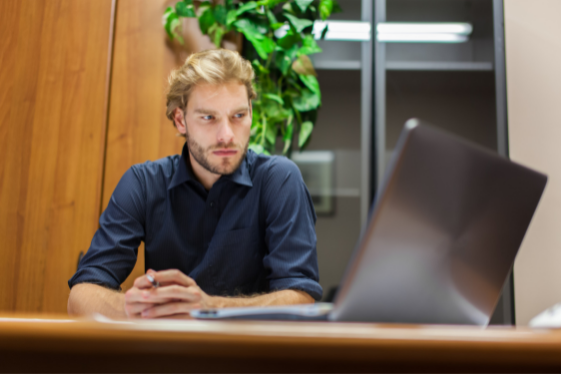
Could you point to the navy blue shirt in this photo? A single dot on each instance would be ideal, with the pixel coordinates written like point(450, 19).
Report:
point(252, 232)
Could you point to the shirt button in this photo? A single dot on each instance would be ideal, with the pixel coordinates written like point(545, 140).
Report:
point(212, 204)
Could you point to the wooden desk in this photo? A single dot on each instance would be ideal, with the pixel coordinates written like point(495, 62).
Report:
point(86, 345)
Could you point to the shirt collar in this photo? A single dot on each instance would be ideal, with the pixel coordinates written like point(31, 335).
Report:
point(184, 174)
point(241, 175)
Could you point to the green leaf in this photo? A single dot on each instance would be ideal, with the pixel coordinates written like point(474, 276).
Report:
point(303, 4)
point(257, 65)
point(271, 17)
point(271, 134)
point(325, 8)
point(217, 35)
point(176, 24)
point(274, 97)
point(269, 3)
point(247, 6)
point(305, 132)
point(289, 129)
point(288, 135)
point(287, 144)
point(231, 17)
point(171, 24)
point(206, 20)
point(280, 114)
point(169, 13)
point(303, 65)
point(282, 61)
point(220, 14)
point(309, 46)
point(255, 124)
point(298, 23)
point(246, 27)
point(273, 110)
point(312, 83)
point(289, 39)
point(287, 7)
point(306, 101)
point(292, 52)
point(336, 7)
point(284, 58)
point(263, 46)
point(203, 7)
point(258, 148)
point(184, 10)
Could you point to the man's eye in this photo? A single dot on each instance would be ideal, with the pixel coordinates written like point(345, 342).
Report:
point(239, 115)
point(208, 118)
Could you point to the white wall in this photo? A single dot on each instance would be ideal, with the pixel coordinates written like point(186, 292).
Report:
point(533, 62)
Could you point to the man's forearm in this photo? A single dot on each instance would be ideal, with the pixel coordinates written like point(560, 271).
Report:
point(284, 297)
point(86, 298)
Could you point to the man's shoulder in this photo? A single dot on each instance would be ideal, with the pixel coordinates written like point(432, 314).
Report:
point(264, 165)
point(160, 170)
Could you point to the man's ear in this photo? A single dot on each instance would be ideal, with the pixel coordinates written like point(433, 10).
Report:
point(179, 119)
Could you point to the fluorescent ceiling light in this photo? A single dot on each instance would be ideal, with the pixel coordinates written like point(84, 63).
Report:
point(424, 28)
point(337, 30)
point(419, 38)
point(343, 30)
point(423, 32)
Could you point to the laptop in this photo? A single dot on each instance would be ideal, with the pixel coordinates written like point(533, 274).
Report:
point(439, 244)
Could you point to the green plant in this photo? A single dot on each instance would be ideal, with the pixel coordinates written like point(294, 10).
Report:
point(280, 40)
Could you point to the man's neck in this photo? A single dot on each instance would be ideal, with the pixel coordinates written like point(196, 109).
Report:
point(204, 176)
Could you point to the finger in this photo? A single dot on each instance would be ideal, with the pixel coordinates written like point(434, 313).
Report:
point(167, 293)
point(143, 283)
point(134, 295)
point(169, 309)
point(173, 276)
point(133, 310)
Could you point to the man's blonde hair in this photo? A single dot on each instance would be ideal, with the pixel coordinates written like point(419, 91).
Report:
point(216, 66)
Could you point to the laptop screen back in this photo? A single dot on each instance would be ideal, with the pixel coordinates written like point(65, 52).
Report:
point(442, 236)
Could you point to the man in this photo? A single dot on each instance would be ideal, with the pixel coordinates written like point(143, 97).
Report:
point(222, 225)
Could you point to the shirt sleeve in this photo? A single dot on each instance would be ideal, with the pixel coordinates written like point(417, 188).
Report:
point(290, 231)
point(114, 247)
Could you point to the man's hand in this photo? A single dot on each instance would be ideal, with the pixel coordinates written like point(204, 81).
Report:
point(177, 296)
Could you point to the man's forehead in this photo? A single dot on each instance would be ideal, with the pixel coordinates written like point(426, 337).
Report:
point(218, 97)
point(224, 89)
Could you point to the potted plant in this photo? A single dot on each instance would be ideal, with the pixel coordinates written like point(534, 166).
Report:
point(280, 37)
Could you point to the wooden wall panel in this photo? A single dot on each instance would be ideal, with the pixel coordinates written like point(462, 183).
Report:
point(53, 98)
point(138, 128)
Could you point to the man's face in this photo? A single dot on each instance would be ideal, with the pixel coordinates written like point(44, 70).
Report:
point(218, 122)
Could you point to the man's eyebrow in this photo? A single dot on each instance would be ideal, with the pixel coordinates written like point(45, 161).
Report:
point(205, 111)
point(214, 112)
point(241, 109)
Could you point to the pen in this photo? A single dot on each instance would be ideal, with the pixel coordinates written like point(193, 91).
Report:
point(153, 281)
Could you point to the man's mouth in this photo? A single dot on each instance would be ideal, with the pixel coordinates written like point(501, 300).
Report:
point(225, 152)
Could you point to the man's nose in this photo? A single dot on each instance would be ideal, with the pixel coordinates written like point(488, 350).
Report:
point(225, 134)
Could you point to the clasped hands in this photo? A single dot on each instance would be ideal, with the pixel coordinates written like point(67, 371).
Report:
point(174, 298)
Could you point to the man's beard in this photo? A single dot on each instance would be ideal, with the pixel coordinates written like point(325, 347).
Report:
point(226, 167)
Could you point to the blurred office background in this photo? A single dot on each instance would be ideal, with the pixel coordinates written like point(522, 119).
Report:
point(82, 98)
